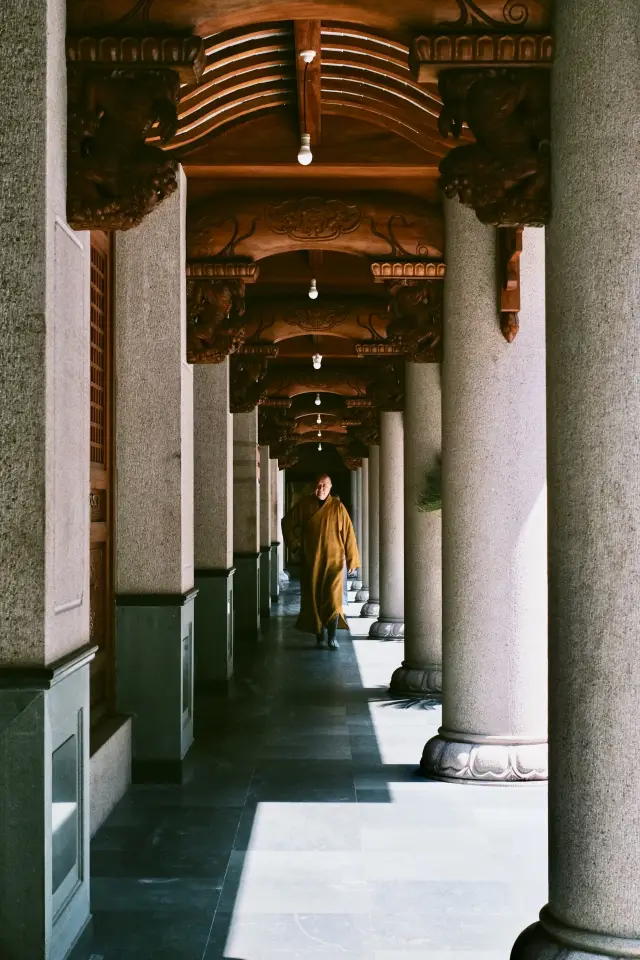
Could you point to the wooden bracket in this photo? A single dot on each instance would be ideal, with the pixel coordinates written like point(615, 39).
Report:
point(509, 250)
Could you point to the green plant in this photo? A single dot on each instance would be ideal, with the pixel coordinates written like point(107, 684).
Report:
point(431, 497)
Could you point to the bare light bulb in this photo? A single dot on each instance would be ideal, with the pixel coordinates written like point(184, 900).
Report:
point(319, 446)
point(318, 401)
point(304, 153)
point(316, 359)
point(319, 433)
point(313, 290)
point(318, 419)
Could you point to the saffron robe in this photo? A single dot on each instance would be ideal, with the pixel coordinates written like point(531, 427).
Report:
point(325, 536)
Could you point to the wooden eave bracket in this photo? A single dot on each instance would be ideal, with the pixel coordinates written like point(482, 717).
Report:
point(184, 55)
point(384, 271)
point(509, 250)
point(222, 270)
point(432, 53)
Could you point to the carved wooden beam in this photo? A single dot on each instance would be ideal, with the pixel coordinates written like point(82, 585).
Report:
point(384, 348)
point(385, 270)
point(435, 52)
point(223, 270)
point(119, 90)
point(214, 324)
point(509, 250)
point(307, 37)
point(504, 176)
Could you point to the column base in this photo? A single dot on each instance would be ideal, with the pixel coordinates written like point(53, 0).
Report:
point(284, 576)
point(354, 585)
point(214, 629)
point(362, 595)
point(275, 583)
point(155, 657)
point(371, 609)
point(246, 596)
point(265, 582)
point(464, 758)
point(551, 940)
point(387, 630)
point(417, 681)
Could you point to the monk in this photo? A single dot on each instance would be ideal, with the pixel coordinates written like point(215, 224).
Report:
point(320, 527)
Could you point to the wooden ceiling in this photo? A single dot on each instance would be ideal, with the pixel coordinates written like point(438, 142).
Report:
point(376, 148)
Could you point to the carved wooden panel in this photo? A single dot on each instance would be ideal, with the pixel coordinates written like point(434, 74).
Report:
point(101, 490)
point(378, 225)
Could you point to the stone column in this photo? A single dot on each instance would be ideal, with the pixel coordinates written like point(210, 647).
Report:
point(593, 398)
point(371, 606)
point(493, 517)
point(154, 569)
point(421, 670)
point(275, 535)
point(363, 543)
point(390, 622)
point(213, 454)
point(44, 517)
point(246, 525)
point(283, 575)
point(265, 532)
point(353, 582)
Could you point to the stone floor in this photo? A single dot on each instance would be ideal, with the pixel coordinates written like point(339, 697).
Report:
point(304, 831)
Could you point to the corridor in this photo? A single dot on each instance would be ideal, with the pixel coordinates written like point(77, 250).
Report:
point(302, 829)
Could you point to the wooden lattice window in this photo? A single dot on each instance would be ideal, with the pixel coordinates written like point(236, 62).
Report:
point(101, 420)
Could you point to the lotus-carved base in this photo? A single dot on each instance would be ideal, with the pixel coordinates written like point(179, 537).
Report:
point(417, 681)
point(484, 760)
point(354, 586)
point(371, 609)
point(362, 595)
point(551, 940)
point(387, 630)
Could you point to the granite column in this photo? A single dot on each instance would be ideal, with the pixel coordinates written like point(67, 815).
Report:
point(246, 526)
point(213, 516)
point(421, 670)
point(371, 607)
point(363, 543)
point(265, 532)
point(390, 622)
point(593, 398)
point(275, 535)
point(154, 569)
point(493, 517)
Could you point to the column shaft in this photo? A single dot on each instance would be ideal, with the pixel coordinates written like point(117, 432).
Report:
point(493, 518)
point(213, 522)
point(371, 607)
point(363, 593)
point(282, 573)
point(390, 622)
point(154, 571)
point(246, 525)
point(265, 532)
point(421, 671)
point(593, 369)
point(275, 534)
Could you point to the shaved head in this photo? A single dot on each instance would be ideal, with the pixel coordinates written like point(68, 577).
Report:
point(323, 486)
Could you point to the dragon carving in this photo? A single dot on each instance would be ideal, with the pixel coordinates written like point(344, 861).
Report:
point(214, 327)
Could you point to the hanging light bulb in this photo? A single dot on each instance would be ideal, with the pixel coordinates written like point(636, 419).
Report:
point(318, 419)
point(316, 359)
point(313, 290)
point(319, 446)
point(318, 401)
point(319, 433)
point(304, 153)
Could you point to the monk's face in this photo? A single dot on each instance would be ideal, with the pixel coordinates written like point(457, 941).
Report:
point(323, 487)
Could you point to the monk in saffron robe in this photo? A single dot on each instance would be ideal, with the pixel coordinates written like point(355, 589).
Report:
point(320, 527)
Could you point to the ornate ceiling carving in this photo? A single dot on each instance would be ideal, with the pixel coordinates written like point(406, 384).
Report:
point(365, 224)
point(214, 319)
point(416, 324)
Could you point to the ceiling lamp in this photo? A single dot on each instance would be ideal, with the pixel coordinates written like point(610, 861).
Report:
point(313, 290)
point(318, 419)
point(319, 446)
point(304, 153)
point(318, 401)
point(319, 433)
point(316, 360)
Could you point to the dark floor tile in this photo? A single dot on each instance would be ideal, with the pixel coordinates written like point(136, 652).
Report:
point(153, 935)
point(160, 861)
point(115, 894)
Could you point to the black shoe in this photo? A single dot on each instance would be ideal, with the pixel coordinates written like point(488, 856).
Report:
point(320, 639)
point(332, 626)
point(333, 644)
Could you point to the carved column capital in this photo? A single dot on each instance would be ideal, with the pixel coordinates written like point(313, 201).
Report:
point(416, 325)
point(247, 383)
point(504, 175)
point(122, 91)
point(214, 312)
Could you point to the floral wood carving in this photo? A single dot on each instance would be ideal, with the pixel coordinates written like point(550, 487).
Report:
point(386, 392)
point(247, 386)
point(416, 325)
point(509, 250)
point(214, 327)
point(432, 53)
point(514, 12)
point(504, 176)
point(320, 317)
point(312, 218)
